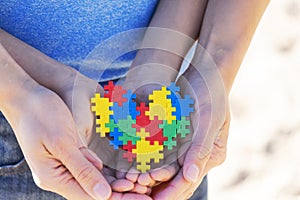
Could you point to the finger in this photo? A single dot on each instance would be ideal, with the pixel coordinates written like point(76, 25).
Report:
point(121, 174)
point(90, 179)
point(103, 150)
point(145, 179)
point(194, 166)
point(140, 189)
point(132, 174)
point(218, 154)
point(149, 190)
point(207, 118)
point(72, 190)
point(129, 196)
point(116, 196)
point(122, 185)
point(133, 196)
point(109, 174)
point(60, 181)
point(216, 157)
point(92, 157)
point(168, 169)
point(166, 173)
point(199, 151)
point(171, 189)
point(110, 179)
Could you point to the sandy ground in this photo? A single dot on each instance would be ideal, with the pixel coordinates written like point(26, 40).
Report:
point(263, 160)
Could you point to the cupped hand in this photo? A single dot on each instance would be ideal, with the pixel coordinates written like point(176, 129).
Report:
point(206, 147)
point(48, 137)
point(142, 80)
point(76, 93)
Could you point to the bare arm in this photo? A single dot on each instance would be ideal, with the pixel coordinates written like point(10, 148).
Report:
point(226, 32)
point(178, 17)
point(40, 67)
point(14, 81)
point(47, 136)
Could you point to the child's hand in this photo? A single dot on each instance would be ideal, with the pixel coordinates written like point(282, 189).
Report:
point(77, 93)
point(143, 84)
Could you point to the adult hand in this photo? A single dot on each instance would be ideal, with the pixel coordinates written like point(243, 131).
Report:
point(47, 135)
point(206, 147)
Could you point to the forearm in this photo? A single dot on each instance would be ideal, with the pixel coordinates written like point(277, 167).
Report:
point(181, 17)
point(15, 83)
point(40, 67)
point(227, 30)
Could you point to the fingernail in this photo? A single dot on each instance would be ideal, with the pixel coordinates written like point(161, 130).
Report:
point(192, 173)
point(101, 191)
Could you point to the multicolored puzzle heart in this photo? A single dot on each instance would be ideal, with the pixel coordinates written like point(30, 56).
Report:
point(142, 131)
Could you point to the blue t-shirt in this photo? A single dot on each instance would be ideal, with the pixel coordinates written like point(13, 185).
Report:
point(68, 30)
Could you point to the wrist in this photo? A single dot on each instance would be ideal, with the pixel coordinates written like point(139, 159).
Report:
point(14, 82)
point(14, 97)
point(155, 64)
point(221, 60)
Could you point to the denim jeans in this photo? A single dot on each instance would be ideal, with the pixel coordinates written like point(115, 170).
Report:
point(16, 181)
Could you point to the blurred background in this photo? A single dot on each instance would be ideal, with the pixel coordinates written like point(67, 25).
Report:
point(263, 160)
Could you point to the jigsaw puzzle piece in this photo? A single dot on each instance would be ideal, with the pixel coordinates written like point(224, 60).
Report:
point(108, 90)
point(186, 106)
point(183, 127)
point(129, 133)
point(170, 132)
point(145, 152)
point(128, 154)
point(116, 142)
point(102, 109)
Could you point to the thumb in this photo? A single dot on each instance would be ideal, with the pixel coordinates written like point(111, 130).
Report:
point(87, 175)
point(198, 149)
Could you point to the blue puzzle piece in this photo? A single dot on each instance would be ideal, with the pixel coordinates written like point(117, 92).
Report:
point(116, 142)
point(173, 87)
point(129, 95)
point(132, 104)
point(120, 112)
point(175, 97)
point(185, 105)
point(177, 112)
point(132, 110)
point(174, 93)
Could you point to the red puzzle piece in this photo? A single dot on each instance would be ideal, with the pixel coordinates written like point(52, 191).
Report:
point(156, 133)
point(128, 154)
point(142, 120)
point(117, 95)
point(109, 90)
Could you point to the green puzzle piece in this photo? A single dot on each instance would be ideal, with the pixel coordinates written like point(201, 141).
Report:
point(182, 127)
point(169, 131)
point(125, 125)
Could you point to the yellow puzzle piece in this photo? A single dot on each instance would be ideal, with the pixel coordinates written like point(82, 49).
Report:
point(161, 106)
point(100, 106)
point(145, 152)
